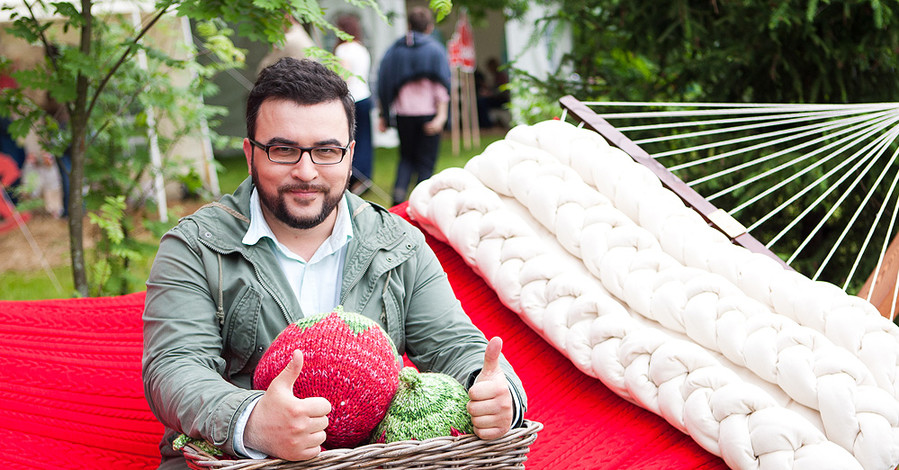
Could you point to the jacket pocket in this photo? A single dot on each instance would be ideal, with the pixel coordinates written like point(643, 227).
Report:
point(239, 330)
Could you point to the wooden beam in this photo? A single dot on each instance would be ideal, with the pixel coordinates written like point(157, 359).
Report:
point(454, 109)
point(883, 282)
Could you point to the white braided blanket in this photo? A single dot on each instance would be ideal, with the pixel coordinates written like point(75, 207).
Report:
point(759, 365)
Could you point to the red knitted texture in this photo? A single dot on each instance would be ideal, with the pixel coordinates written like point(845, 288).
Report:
point(357, 372)
point(71, 393)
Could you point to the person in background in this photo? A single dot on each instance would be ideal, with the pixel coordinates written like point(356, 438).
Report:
point(46, 178)
point(296, 41)
point(8, 144)
point(413, 94)
point(492, 94)
point(292, 241)
point(9, 217)
point(54, 170)
point(356, 59)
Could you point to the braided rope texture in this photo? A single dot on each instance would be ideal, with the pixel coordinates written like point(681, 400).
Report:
point(347, 359)
point(847, 320)
point(758, 364)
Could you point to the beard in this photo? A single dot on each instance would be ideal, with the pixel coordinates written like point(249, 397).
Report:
point(277, 203)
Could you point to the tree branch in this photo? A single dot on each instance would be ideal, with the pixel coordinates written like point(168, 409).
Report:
point(125, 56)
point(41, 35)
point(121, 112)
point(47, 46)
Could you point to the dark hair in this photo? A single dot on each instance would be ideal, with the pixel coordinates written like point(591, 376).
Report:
point(420, 19)
point(349, 23)
point(304, 82)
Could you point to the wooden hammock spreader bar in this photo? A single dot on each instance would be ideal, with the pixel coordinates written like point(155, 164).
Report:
point(717, 218)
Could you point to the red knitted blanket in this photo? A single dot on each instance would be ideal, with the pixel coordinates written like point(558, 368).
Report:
point(71, 394)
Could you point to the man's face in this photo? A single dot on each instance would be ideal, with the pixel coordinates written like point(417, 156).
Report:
point(302, 195)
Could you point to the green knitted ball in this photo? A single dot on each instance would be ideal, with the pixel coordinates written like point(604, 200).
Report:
point(425, 405)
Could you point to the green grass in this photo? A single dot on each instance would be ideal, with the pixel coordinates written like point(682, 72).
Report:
point(37, 285)
point(234, 171)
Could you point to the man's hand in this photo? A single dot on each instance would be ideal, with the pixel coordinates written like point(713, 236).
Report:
point(491, 400)
point(284, 426)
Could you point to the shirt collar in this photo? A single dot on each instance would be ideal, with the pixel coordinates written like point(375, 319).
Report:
point(259, 228)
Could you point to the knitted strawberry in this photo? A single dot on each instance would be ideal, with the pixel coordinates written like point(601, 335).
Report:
point(347, 359)
point(426, 405)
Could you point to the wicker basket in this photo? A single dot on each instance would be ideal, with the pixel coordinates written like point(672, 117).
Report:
point(466, 451)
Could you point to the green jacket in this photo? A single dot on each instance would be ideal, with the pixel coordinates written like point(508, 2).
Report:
point(214, 305)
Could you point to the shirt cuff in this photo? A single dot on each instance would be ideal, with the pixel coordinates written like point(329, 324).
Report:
point(239, 427)
point(517, 415)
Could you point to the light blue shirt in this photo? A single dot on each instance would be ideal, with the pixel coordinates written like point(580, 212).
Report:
point(315, 282)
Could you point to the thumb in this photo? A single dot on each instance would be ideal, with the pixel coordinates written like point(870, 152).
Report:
point(286, 378)
point(491, 358)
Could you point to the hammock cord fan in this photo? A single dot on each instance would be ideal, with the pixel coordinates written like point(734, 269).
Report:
point(812, 186)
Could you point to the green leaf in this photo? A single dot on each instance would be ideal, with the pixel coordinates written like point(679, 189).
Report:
point(19, 128)
point(811, 10)
point(183, 440)
point(441, 8)
point(66, 9)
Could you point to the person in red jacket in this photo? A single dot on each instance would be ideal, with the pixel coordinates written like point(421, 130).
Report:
point(9, 174)
point(8, 144)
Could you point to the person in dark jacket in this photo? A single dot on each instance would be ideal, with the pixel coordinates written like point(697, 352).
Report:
point(413, 94)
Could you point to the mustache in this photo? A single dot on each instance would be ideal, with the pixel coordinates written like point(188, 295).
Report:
point(303, 187)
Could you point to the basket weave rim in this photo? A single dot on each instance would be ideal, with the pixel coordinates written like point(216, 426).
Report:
point(513, 446)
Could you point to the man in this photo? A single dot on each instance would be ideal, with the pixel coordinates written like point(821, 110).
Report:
point(293, 241)
point(413, 86)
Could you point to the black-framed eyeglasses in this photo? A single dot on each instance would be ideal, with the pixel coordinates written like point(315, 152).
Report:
point(289, 154)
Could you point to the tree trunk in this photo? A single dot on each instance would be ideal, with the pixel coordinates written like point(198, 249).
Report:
point(76, 202)
point(79, 121)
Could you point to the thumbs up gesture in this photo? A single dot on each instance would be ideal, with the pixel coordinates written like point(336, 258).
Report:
point(490, 402)
point(284, 426)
